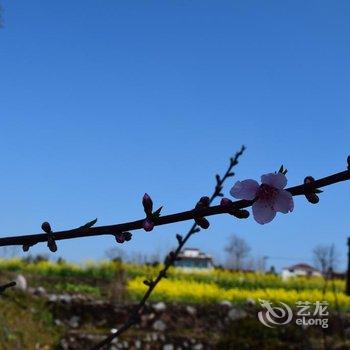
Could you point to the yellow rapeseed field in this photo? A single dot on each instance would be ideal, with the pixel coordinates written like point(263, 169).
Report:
point(206, 286)
point(196, 291)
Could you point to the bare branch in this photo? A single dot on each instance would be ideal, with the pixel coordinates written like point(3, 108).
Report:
point(6, 286)
point(172, 256)
point(232, 208)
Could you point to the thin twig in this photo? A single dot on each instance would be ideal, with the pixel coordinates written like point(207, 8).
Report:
point(172, 256)
point(6, 286)
point(29, 240)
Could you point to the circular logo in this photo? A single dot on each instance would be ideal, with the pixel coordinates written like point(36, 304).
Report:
point(273, 316)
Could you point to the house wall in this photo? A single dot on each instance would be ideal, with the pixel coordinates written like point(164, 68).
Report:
point(287, 273)
point(191, 263)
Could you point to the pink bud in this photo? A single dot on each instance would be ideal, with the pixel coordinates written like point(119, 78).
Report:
point(202, 222)
point(225, 202)
point(147, 204)
point(46, 227)
point(148, 225)
point(205, 200)
point(51, 243)
point(119, 237)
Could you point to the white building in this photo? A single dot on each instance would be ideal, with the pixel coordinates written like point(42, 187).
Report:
point(300, 270)
point(193, 258)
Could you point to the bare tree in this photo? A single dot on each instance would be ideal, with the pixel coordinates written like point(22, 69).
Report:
point(256, 263)
point(237, 250)
point(115, 254)
point(325, 257)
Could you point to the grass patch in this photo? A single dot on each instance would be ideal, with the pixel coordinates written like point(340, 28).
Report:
point(25, 323)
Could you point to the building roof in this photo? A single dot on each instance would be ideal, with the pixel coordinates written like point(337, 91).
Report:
point(301, 266)
point(194, 253)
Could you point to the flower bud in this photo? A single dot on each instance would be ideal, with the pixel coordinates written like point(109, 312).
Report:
point(127, 236)
point(148, 225)
point(240, 213)
point(202, 222)
point(25, 247)
point(147, 204)
point(119, 237)
point(205, 200)
point(52, 244)
point(46, 227)
point(225, 202)
point(312, 198)
point(179, 238)
point(202, 203)
point(308, 179)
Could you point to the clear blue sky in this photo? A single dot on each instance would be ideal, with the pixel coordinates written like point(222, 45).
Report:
point(101, 101)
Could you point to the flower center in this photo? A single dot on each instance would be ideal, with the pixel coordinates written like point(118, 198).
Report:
point(267, 193)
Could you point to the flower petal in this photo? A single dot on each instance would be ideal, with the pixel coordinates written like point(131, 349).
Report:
point(246, 189)
point(284, 202)
point(277, 180)
point(263, 212)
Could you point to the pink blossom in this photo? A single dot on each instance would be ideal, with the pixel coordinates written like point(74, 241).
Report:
point(270, 197)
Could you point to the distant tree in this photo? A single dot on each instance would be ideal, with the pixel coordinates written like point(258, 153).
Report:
point(60, 260)
point(257, 263)
point(35, 259)
point(155, 259)
point(237, 250)
point(325, 258)
point(272, 270)
point(138, 258)
point(118, 254)
point(115, 254)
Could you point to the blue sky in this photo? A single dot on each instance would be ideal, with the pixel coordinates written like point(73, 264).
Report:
point(101, 101)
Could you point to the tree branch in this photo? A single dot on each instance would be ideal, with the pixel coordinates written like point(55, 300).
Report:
point(308, 187)
point(172, 256)
point(6, 286)
point(85, 231)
